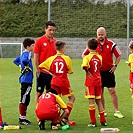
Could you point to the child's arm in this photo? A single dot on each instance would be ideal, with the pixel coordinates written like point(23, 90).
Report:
point(17, 61)
point(48, 72)
point(88, 72)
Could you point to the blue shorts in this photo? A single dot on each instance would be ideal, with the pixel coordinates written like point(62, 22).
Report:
point(108, 79)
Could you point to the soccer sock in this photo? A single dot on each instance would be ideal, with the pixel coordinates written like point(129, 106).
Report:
point(1, 116)
point(92, 111)
point(69, 106)
point(102, 117)
point(22, 110)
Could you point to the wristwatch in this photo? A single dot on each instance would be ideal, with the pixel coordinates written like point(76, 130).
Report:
point(115, 65)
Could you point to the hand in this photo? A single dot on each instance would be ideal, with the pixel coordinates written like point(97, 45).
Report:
point(89, 75)
point(38, 72)
point(112, 69)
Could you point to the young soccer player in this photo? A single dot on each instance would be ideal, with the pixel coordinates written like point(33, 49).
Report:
point(2, 124)
point(59, 65)
point(91, 64)
point(130, 64)
point(48, 108)
point(25, 79)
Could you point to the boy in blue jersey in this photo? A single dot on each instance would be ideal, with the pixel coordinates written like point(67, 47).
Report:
point(26, 78)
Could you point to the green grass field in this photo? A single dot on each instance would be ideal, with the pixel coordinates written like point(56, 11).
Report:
point(10, 95)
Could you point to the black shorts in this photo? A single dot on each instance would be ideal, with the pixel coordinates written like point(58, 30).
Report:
point(43, 81)
point(108, 79)
point(25, 93)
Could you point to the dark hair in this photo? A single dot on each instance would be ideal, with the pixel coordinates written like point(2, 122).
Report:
point(92, 43)
point(131, 44)
point(59, 45)
point(28, 42)
point(49, 23)
point(52, 91)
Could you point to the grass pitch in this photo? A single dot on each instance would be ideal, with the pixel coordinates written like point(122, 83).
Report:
point(10, 96)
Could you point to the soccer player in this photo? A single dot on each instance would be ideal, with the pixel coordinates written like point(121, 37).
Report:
point(48, 108)
point(25, 79)
point(2, 124)
point(91, 64)
point(130, 64)
point(107, 48)
point(59, 65)
point(44, 47)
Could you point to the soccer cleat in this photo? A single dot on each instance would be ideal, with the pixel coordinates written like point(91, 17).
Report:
point(103, 123)
point(71, 123)
point(41, 125)
point(118, 114)
point(105, 115)
point(24, 122)
point(92, 125)
point(3, 124)
point(68, 122)
point(132, 122)
point(54, 126)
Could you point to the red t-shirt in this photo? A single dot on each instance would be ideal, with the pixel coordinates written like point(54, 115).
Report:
point(93, 62)
point(106, 51)
point(44, 48)
point(59, 65)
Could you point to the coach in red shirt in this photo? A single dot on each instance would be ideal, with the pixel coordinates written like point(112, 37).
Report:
point(43, 48)
point(107, 48)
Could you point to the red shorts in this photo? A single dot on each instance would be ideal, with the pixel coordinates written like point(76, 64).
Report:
point(52, 116)
point(65, 92)
point(131, 80)
point(93, 92)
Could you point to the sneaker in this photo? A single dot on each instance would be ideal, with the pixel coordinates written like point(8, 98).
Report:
point(71, 123)
point(92, 125)
point(103, 123)
point(68, 122)
point(24, 122)
point(105, 115)
point(54, 126)
point(118, 114)
point(41, 125)
point(3, 124)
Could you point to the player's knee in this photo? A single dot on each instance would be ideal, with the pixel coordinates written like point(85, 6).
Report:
point(112, 91)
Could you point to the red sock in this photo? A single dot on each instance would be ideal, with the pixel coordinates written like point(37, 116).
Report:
point(1, 116)
point(22, 109)
point(69, 106)
point(92, 113)
point(102, 117)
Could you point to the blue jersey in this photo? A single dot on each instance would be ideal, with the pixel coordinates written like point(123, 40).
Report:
point(25, 62)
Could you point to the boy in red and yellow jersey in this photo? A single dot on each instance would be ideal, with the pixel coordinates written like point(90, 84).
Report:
point(92, 64)
point(59, 65)
point(48, 108)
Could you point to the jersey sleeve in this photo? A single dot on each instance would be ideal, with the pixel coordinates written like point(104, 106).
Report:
point(85, 63)
point(70, 71)
point(85, 52)
point(130, 61)
point(17, 61)
point(45, 64)
point(37, 47)
point(116, 51)
point(60, 102)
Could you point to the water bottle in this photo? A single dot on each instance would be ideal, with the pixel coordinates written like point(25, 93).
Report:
point(12, 127)
point(109, 130)
point(65, 127)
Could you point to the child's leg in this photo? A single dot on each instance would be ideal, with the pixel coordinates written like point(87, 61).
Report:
point(1, 116)
point(92, 110)
point(101, 110)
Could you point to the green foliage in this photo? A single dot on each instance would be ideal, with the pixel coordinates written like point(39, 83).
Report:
point(73, 18)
